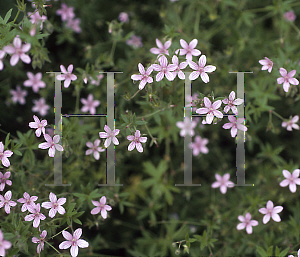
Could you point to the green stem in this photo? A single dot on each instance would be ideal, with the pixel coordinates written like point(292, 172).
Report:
point(59, 233)
point(7, 133)
point(16, 16)
point(52, 247)
point(279, 116)
point(151, 113)
point(112, 53)
point(134, 95)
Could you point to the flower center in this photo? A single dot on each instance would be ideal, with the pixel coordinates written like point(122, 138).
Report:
point(74, 242)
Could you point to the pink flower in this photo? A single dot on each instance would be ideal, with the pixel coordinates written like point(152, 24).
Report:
point(101, 206)
point(39, 125)
point(66, 12)
point(51, 144)
point(187, 127)
point(36, 18)
point(136, 141)
point(193, 99)
point(144, 77)
point(40, 241)
point(89, 104)
point(95, 149)
point(36, 215)
point(27, 201)
point(2, 54)
point(85, 80)
point(164, 69)
point(40, 106)
point(179, 67)
point(188, 49)
point(211, 110)
point(67, 76)
point(199, 145)
point(289, 16)
point(4, 244)
point(110, 136)
point(267, 64)
point(290, 179)
point(6, 202)
point(74, 25)
point(18, 95)
point(134, 41)
point(235, 124)
point(201, 69)
point(123, 17)
point(162, 49)
point(4, 155)
point(291, 123)
point(4, 179)
point(18, 51)
point(97, 82)
point(222, 182)
point(54, 205)
point(231, 102)
point(271, 211)
point(298, 254)
point(35, 81)
point(246, 222)
point(287, 78)
point(73, 242)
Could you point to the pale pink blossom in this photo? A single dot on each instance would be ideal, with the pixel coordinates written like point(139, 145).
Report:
point(27, 200)
point(235, 124)
point(4, 244)
point(231, 102)
point(51, 144)
point(73, 241)
point(287, 78)
point(36, 18)
point(187, 127)
point(89, 104)
point(271, 211)
point(134, 41)
point(136, 141)
point(39, 125)
point(290, 179)
point(40, 241)
point(188, 49)
point(55, 205)
point(95, 149)
point(246, 223)
point(18, 51)
point(66, 12)
point(67, 76)
point(298, 254)
point(164, 69)
point(222, 182)
point(123, 17)
point(96, 82)
point(35, 215)
point(4, 155)
point(85, 80)
point(110, 136)
point(199, 146)
point(193, 99)
point(291, 123)
point(162, 49)
point(201, 69)
point(101, 206)
point(40, 106)
point(6, 202)
point(267, 64)
point(211, 110)
point(144, 77)
point(18, 95)
point(2, 54)
point(74, 25)
point(179, 67)
point(34, 81)
point(289, 16)
point(4, 180)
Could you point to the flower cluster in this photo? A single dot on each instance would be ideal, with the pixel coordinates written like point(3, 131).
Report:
point(67, 14)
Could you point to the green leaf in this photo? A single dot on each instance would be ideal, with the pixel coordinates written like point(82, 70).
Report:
point(284, 252)
point(7, 141)
point(77, 221)
point(124, 118)
point(261, 251)
point(141, 122)
point(71, 208)
point(7, 16)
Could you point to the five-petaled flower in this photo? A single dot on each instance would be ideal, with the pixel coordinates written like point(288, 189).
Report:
point(35, 215)
point(89, 104)
point(290, 179)
point(66, 12)
point(222, 182)
point(74, 25)
point(34, 81)
point(123, 17)
point(291, 123)
point(40, 241)
point(201, 69)
point(179, 67)
point(188, 49)
point(162, 49)
point(199, 145)
point(110, 136)
point(54, 205)
point(4, 244)
point(101, 206)
point(287, 78)
point(267, 64)
point(164, 69)
point(4, 155)
point(27, 200)
point(94, 149)
point(187, 127)
point(136, 141)
point(235, 124)
point(39, 125)
point(51, 144)
point(211, 110)
point(231, 102)
point(271, 211)
point(134, 41)
point(4, 179)
point(67, 76)
point(6, 202)
point(35, 18)
point(18, 51)
point(246, 223)
point(289, 16)
point(40, 106)
point(144, 77)
point(18, 95)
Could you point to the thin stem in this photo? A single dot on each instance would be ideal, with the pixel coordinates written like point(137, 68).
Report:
point(112, 53)
point(134, 95)
point(16, 16)
point(52, 247)
point(7, 133)
point(279, 116)
point(152, 113)
point(59, 233)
